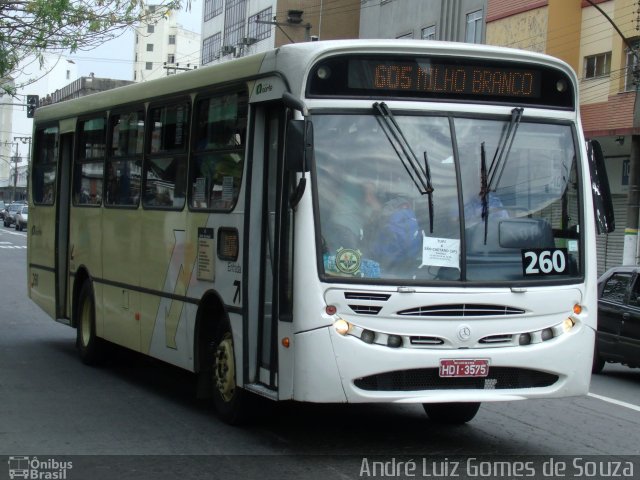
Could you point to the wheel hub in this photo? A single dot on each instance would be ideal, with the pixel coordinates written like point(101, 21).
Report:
point(224, 371)
point(86, 323)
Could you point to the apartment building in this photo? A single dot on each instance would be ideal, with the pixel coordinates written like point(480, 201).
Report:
point(163, 48)
point(234, 28)
point(449, 20)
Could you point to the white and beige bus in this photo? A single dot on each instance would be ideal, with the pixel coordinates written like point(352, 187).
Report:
point(348, 221)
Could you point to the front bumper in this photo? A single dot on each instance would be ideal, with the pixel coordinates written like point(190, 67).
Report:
point(336, 368)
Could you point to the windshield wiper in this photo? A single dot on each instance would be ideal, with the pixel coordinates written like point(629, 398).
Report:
point(490, 179)
point(419, 174)
point(507, 137)
point(484, 189)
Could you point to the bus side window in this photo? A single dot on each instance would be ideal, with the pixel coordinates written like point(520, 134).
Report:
point(218, 147)
point(123, 173)
point(89, 165)
point(45, 162)
point(165, 165)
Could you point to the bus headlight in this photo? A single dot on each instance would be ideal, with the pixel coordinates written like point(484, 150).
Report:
point(342, 326)
point(367, 336)
point(524, 339)
point(394, 341)
point(568, 324)
point(546, 334)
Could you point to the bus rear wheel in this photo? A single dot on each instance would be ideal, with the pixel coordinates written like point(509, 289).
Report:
point(89, 346)
point(229, 399)
point(451, 413)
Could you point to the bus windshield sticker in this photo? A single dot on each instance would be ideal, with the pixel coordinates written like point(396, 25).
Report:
point(344, 260)
point(440, 252)
point(348, 261)
point(206, 270)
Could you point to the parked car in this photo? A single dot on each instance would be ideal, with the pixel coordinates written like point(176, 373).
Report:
point(10, 214)
point(2, 207)
point(618, 335)
point(22, 217)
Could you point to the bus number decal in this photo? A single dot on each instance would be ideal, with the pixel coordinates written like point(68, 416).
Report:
point(544, 261)
point(236, 295)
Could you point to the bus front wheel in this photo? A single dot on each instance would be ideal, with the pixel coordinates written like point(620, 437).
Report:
point(451, 413)
point(230, 400)
point(598, 361)
point(88, 344)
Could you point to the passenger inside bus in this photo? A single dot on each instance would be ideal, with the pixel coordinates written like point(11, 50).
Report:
point(379, 227)
point(355, 205)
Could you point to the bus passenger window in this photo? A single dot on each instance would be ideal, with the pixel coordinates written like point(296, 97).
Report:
point(165, 166)
point(124, 165)
point(217, 161)
point(45, 160)
point(89, 167)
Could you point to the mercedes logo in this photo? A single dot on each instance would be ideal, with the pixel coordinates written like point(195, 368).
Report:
point(464, 332)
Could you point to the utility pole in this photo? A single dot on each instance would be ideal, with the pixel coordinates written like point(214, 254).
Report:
point(173, 69)
point(16, 159)
point(25, 140)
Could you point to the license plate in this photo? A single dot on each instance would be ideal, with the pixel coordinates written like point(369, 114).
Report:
point(464, 368)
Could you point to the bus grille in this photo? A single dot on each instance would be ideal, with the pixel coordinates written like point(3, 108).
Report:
point(462, 310)
point(366, 309)
point(499, 378)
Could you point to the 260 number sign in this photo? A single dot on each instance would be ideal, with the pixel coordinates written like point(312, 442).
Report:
point(544, 261)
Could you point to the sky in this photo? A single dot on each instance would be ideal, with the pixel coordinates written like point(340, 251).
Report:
point(114, 59)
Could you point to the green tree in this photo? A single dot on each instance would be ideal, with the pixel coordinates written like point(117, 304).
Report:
point(30, 28)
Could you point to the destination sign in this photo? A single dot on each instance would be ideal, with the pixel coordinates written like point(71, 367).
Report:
point(443, 78)
point(446, 79)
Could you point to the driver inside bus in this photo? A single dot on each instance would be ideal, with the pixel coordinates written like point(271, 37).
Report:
point(355, 206)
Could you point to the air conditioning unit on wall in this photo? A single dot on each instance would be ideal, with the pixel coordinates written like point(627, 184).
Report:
point(228, 50)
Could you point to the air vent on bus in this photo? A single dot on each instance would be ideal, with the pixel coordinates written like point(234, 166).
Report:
point(497, 339)
point(462, 310)
point(426, 341)
point(365, 309)
point(375, 297)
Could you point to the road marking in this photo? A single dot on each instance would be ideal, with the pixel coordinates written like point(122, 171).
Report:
point(12, 232)
point(615, 402)
point(13, 246)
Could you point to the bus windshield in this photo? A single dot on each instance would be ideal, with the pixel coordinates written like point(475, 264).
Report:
point(503, 203)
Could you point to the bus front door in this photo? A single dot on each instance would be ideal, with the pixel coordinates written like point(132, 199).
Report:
point(269, 249)
point(62, 226)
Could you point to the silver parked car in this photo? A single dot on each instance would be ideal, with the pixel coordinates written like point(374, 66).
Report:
point(22, 218)
point(10, 214)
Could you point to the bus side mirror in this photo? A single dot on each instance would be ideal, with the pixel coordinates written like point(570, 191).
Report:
point(602, 202)
point(299, 145)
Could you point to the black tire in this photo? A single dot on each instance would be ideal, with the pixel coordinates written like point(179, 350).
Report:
point(451, 413)
point(598, 361)
point(231, 401)
point(90, 347)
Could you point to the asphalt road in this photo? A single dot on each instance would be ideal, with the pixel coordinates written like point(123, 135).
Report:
point(138, 418)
